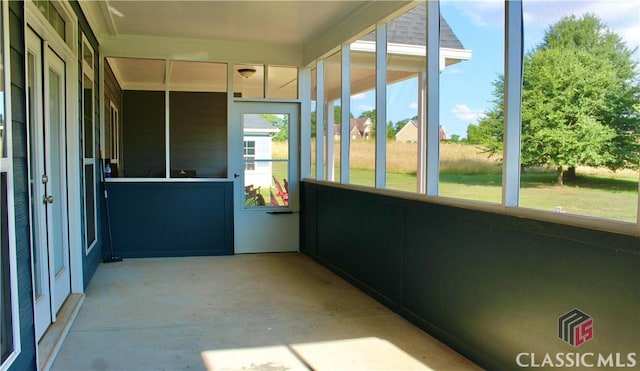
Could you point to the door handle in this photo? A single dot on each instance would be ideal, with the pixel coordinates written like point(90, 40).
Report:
point(47, 199)
point(236, 175)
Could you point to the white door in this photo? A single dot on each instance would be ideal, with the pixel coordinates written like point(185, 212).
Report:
point(47, 180)
point(265, 156)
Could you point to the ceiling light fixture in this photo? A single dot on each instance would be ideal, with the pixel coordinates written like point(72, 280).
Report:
point(246, 72)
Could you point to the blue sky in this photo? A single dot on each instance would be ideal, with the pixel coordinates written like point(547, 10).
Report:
point(466, 87)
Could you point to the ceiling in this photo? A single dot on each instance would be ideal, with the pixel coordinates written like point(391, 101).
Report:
point(290, 23)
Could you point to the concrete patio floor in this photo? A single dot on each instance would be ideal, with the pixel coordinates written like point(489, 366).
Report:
point(245, 312)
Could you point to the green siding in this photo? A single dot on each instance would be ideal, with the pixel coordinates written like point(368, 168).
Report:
point(27, 358)
point(171, 218)
point(491, 286)
point(90, 261)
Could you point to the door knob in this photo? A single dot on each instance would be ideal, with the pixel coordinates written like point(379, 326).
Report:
point(48, 199)
point(236, 175)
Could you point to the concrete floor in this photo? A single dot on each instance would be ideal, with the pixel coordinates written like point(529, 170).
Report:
point(244, 312)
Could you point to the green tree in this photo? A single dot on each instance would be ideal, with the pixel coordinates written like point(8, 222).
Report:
point(579, 92)
point(391, 131)
point(282, 123)
point(337, 114)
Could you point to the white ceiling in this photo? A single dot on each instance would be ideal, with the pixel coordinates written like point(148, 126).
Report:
point(276, 22)
point(288, 23)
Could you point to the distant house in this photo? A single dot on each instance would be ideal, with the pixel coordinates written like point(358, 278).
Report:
point(360, 128)
point(442, 133)
point(257, 137)
point(409, 133)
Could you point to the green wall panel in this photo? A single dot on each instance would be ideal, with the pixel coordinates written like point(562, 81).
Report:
point(163, 219)
point(489, 285)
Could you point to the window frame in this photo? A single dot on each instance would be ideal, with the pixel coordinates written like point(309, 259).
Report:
point(114, 140)
point(249, 159)
point(6, 166)
point(428, 168)
point(87, 72)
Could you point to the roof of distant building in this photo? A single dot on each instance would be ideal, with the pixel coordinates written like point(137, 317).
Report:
point(410, 29)
point(255, 121)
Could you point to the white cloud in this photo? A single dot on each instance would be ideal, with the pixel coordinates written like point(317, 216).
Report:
point(620, 16)
point(482, 13)
point(365, 107)
point(453, 70)
point(413, 105)
point(467, 114)
point(358, 96)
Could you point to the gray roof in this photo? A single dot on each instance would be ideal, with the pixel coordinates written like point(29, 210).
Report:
point(410, 29)
point(257, 121)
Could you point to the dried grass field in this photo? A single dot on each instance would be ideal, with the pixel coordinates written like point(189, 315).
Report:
point(467, 172)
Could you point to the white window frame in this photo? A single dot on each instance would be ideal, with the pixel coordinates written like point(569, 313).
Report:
point(114, 125)
point(6, 166)
point(249, 159)
point(428, 166)
point(68, 51)
point(88, 72)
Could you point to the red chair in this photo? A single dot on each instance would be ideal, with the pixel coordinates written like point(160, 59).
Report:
point(274, 200)
point(284, 195)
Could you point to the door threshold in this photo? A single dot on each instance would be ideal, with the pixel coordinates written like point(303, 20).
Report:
point(53, 338)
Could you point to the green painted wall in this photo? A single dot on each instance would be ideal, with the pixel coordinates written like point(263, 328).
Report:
point(164, 219)
point(27, 358)
point(491, 286)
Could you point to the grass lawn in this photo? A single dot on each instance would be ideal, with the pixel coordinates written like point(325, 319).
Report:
point(467, 173)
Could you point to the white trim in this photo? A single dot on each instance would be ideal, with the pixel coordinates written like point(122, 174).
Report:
point(361, 18)
point(101, 115)
point(381, 106)
point(67, 50)
point(320, 120)
point(108, 17)
point(234, 134)
point(164, 180)
point(36, 20)
point(421, 171)
point(329, 143)
point(167, 124)
point(433, 98)
point(114, 128)
point(512, 103)
point(457, 54)
point(345, 116)
point(86, 67)
point(6, 165)
point(88, 71)
point(249, 130)
point(199, 50)
point(605, 225)
point(412, 50)
point(304, 92)
point(513, 79)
